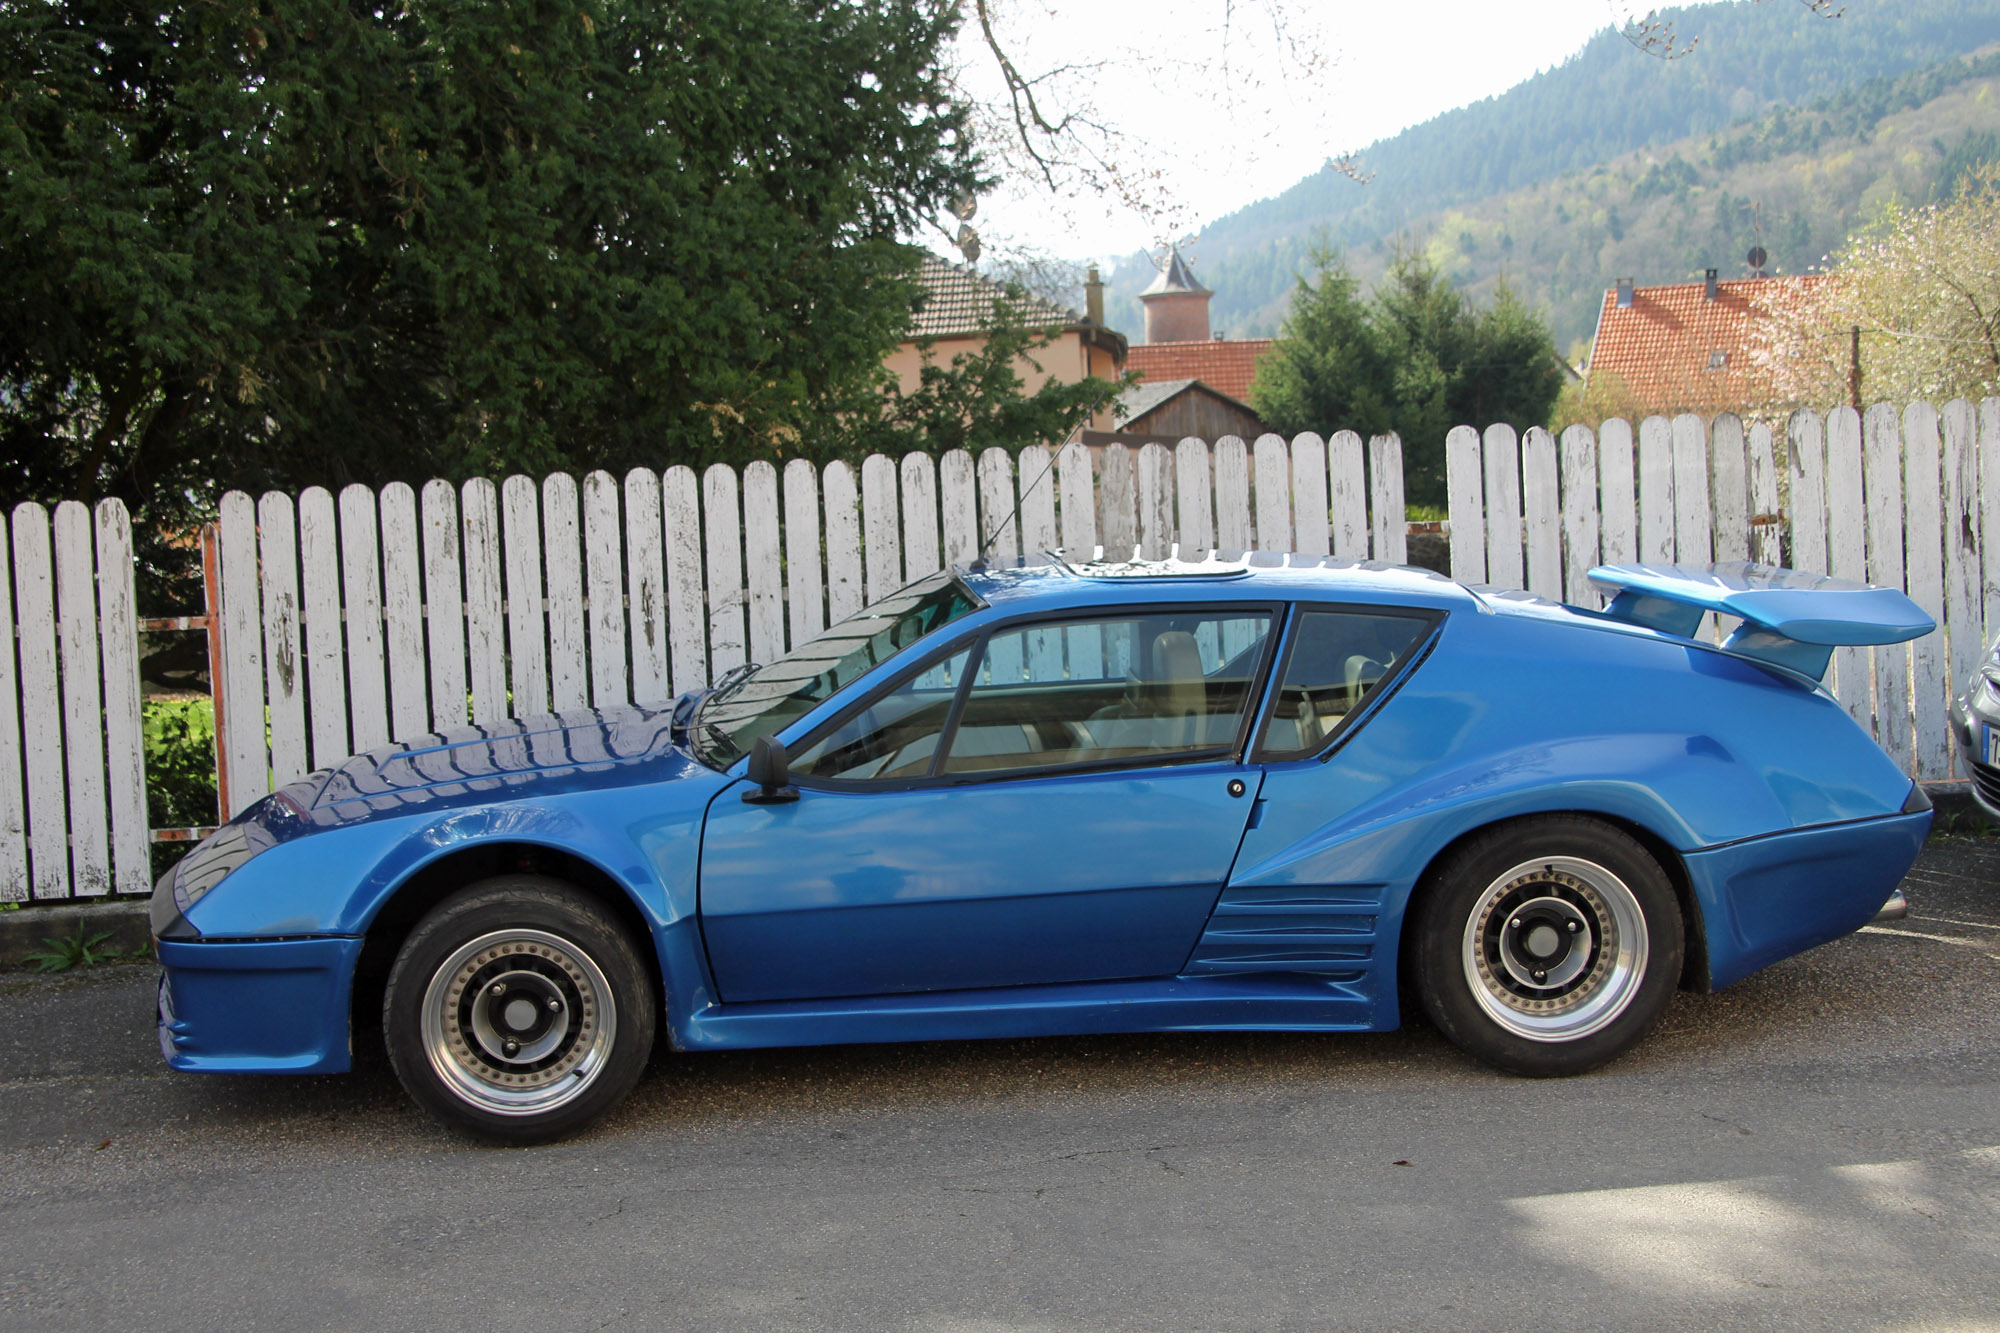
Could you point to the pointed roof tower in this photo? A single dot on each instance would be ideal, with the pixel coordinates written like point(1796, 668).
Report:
point(1176, 304)
point(1176, 276)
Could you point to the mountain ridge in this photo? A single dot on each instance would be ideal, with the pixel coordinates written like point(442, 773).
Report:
point(1598, 107)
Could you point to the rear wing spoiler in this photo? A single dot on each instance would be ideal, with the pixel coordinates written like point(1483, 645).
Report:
point(1790, 618)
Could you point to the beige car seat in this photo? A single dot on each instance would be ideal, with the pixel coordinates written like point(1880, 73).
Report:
point(1183, 689)
point(1168, 711)
point(1362, 674)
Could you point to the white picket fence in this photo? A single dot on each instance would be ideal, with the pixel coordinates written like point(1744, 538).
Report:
point(351, 621)
point(338, 623)
point(1900, 497)
point(72, 770)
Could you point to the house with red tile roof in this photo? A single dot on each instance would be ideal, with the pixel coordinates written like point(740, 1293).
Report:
point(1688, 347)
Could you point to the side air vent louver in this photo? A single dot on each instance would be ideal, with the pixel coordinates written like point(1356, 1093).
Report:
point(1320, 931)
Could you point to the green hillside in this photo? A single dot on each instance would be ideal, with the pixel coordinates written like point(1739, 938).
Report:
point(1554, 183)
point(1796, 182)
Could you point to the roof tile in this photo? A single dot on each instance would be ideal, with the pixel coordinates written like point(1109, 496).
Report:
point(1225, 365)
point(1678, 351)
point(957, 301)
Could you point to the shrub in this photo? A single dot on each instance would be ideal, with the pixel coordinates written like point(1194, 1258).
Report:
point(180, 770)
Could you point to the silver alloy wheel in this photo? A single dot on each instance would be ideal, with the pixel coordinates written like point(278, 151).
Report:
point(1555, 948)
point(518, 1022)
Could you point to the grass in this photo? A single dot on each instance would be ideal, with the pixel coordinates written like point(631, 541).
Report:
point(1955, 824)
point(83, 949)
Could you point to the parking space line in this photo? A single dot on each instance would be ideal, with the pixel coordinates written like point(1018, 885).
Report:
point(1981, 945)
point(1955, 921)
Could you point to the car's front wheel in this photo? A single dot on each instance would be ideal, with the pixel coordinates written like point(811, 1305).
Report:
point(1548, 946)
point(518, 1009)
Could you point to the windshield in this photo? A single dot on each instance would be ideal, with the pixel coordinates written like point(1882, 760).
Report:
point(765, 701)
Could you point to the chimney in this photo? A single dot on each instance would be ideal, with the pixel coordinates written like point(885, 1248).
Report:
point(1093, 297)
point(1624, 293)
point(1710, 290)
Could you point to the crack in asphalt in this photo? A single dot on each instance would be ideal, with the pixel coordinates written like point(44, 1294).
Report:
point(947, 1183)
point(82, 1080)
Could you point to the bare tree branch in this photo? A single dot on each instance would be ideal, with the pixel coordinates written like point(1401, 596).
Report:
point(1040, 123)
point(1655, 36)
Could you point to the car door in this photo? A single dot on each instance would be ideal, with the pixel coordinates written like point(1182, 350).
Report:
point(1058, 802)
point(1294, 904)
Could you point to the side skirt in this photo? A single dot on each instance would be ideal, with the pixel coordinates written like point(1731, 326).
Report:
point(1275, 1002)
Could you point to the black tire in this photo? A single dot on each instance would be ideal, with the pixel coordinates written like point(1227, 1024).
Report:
point(1547, 946)
point(518, 1009)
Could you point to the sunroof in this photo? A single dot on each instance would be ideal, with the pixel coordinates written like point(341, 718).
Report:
point(1218, 565)
point(1212, 566)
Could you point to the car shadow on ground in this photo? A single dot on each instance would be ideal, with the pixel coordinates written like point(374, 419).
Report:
point(680, 1091)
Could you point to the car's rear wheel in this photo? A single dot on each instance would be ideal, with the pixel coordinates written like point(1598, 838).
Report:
point(519, 1010)
point(1547, 946)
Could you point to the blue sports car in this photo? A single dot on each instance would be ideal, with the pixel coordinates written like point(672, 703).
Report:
point(1264, 792)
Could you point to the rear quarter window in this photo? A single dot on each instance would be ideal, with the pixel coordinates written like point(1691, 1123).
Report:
point(1337, 661)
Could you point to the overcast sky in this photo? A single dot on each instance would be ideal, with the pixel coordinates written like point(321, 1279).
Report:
point(1222, 143)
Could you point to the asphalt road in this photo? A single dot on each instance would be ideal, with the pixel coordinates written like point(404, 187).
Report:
point(1817, 1147)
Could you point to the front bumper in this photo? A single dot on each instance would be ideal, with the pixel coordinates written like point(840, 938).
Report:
point(1967, 714)
point(257, 1006)
point(249, 1006)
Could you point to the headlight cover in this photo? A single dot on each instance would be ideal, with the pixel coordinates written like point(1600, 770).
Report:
point(223, 852)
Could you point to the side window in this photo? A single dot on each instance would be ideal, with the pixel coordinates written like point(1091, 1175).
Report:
point(894, 737)
point(1138, 688)
point(1336, 660)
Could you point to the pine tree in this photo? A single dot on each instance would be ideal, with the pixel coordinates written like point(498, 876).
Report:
point(1325, 373)
point(1416, 358)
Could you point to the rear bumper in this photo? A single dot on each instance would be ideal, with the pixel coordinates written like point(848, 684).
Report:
point(256, 1006)
point(1768, 898)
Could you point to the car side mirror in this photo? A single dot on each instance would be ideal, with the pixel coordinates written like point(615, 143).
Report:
point(771, 770)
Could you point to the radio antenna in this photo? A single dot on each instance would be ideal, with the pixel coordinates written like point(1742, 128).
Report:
point(980, 563)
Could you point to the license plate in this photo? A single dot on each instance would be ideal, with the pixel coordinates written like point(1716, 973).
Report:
point(1989, 744)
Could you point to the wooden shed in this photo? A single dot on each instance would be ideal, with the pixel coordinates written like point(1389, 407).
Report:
point(1171, 410)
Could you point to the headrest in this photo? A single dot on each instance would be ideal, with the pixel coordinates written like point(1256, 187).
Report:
point(1176, 656)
